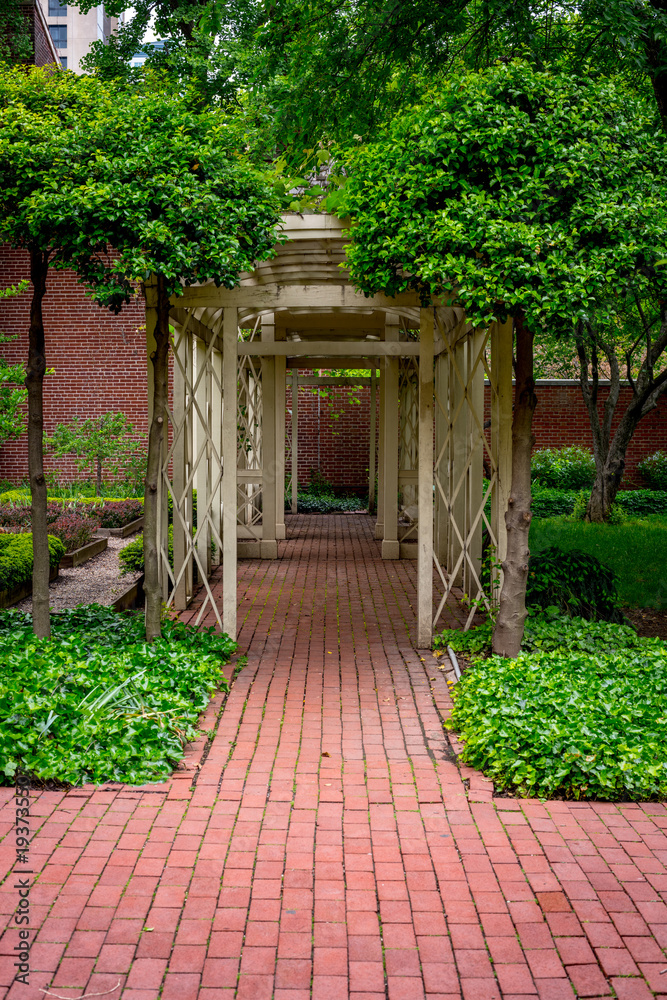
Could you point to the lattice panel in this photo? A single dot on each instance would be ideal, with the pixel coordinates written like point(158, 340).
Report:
point(408, 440)
point(249, 446)
point(464, 458)
point(193, 461)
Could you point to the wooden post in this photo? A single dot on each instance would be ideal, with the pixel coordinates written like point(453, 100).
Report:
point(474, 485)
point(425, 465)
point(442, 457)
point(229, 447)
point(390, 543)
point(371, 448)
point(268, 547)
point(295, 439)
point(201, 419)
point(379, 521)
point(458, 374)
point(281, 377)
point(216, 437)
point(501, 431)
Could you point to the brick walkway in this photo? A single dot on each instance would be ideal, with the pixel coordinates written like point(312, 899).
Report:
point(331, 847)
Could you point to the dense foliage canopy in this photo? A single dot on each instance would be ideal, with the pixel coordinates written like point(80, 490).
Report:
point(513, 191)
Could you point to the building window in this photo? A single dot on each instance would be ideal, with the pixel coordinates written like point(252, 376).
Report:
point(59, 35)
point(57, 9)
point(63, 62)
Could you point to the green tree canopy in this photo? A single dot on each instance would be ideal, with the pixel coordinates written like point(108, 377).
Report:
point(124, 185)
point(513, 191)
point(522, 193)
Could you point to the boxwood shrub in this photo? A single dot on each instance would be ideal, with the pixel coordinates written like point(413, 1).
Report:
point(16, 559)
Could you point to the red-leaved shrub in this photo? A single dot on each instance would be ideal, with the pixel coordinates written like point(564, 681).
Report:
point(118, 513)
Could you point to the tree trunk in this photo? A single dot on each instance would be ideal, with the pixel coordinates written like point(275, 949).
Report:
point(41, 621)
point(152, 588)
point(610, 466)
point(508, 631)
point(98, 484)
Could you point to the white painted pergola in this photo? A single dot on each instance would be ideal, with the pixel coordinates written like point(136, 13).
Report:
point(234, 350)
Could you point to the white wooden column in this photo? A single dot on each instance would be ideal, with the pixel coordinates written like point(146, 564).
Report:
point(442, 453)
point(162, 508)
point(229, 460)
point(295, 439)
point(371, 448)
point(501, 430)
point(201, 417)
point(379, 520)
point(281, 403)
point(474, 485)
point(268, 547)
point(390, 543)
point(216, 437)
point(425, 488)
point(182, 497)
point(458, 376)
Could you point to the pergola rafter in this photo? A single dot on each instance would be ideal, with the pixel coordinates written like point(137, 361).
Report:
point(233, 349)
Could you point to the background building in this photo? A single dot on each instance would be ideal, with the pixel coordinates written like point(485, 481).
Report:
point(73, 32)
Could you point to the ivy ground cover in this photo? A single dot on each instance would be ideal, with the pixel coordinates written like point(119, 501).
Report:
point(636, 551)
point(581, 713)
point(96, 703)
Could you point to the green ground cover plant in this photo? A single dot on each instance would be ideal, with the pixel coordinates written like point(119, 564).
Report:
point(320, 497)
point(16, 559)
point(636, 552)
point(575, 582)
point(579, 714)
point(96, 703)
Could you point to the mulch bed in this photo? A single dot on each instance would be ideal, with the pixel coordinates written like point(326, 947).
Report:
point(648, 621)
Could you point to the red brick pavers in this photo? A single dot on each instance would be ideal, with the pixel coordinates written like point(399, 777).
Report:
point(329, 846)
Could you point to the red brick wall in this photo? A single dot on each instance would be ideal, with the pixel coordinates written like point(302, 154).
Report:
point(99, 359)
point(561, 419)
point(43, 53)
point(334, 435)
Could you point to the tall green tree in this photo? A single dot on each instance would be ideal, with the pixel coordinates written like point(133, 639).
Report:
point(514, 192)
point(123, 186)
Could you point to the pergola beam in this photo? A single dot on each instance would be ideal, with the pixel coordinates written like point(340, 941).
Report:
point(328, 349)
point(271, 297)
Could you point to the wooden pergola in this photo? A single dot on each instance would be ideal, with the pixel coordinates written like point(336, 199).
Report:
point(445, 452)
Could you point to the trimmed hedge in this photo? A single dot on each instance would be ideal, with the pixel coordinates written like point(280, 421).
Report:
point(16, 559)
point(637, 503)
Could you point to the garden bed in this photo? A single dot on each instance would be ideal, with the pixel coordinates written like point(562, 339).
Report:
point(125, 531)
point(86, 552)
point(103, 705)
point(579, 714)
point(8, 598)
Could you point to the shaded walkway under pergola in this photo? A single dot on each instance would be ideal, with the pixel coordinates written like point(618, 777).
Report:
point(329, 569)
